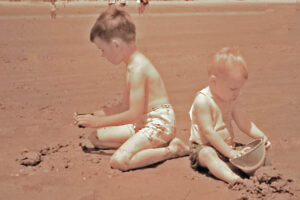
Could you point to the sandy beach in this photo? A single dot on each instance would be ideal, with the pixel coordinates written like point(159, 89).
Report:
point(49, 70)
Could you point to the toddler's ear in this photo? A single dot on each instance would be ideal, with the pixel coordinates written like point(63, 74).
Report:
point(212, 78)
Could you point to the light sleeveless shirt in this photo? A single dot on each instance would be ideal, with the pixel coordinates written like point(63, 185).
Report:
point(221, 115)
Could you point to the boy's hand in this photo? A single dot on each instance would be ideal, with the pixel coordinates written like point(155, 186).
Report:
point(85, 120)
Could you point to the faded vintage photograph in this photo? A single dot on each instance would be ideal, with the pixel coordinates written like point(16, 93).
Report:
point(149, 99)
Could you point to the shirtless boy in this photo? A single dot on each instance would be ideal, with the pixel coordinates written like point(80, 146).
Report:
point(142, 127)
point(213, 110)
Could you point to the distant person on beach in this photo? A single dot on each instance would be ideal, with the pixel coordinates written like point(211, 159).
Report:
point(53, 10)
point(113, 3)
point(142, 6)
point(212, 112)
point(142, 127)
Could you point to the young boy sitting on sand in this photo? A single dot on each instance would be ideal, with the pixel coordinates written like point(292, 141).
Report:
point(212, 112)
point(142, 127)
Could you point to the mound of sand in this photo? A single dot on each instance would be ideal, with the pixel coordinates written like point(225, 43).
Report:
point(267, 183)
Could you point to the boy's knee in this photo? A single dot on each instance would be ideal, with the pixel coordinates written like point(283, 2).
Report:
point(120, 161)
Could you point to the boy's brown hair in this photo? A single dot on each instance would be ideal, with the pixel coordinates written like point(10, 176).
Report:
point(114, 23)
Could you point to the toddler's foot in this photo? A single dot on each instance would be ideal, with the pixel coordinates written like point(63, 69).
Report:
point(178, 148)
point(239, 183)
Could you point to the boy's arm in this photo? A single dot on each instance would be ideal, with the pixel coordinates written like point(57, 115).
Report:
point(110, 110)
point(205, 124)
point(247, 126)
point(136, 86)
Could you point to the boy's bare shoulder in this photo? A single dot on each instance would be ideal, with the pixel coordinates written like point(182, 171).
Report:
point(138, 60)
point(140, 65)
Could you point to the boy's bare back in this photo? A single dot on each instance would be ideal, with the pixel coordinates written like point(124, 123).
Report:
point(145, 83)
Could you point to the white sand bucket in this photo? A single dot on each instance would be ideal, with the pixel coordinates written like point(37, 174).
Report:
point(253, 159)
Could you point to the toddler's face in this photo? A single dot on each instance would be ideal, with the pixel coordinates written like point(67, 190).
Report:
point(110, 51)
point(228, 88)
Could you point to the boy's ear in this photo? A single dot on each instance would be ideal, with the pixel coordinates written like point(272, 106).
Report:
point(115, 43)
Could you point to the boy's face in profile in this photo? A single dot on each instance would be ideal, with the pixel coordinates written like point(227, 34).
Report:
point(110, 50)
point(227, 86)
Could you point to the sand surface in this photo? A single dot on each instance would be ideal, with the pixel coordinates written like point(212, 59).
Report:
point(49, 69)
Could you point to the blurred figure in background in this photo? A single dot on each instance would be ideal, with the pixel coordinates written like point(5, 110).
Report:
point(143, 4)
point(53, 9)
point(113, 3)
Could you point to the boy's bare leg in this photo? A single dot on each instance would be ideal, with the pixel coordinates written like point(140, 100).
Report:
point(216, 166)
point(139, 152)
point(147, 157)
point(109, 137)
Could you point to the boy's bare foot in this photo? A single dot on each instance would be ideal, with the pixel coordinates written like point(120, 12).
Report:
point(178, 148)
point(87, 146)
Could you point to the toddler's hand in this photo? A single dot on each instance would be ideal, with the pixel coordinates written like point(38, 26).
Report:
point(268, 144)
point(236, 153)
point(246, 150)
